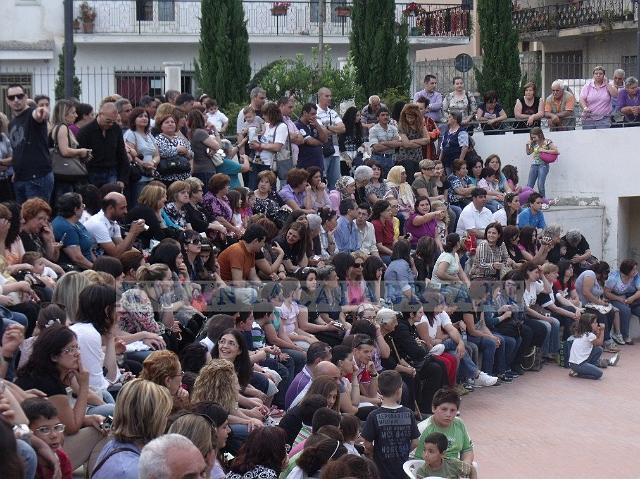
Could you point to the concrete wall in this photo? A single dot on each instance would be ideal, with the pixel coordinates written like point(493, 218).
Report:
point(595, 168)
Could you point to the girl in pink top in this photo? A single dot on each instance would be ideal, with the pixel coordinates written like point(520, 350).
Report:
point(595, 100)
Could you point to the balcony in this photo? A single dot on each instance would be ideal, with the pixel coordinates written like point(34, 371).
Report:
point(550, 19)
point(157, 18)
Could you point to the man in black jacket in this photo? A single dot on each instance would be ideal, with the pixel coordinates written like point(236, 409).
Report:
point(103, 137)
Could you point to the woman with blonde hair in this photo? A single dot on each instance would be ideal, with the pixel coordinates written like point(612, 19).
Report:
point(67, 292)
point(217, 382)
point(163, 368)
point(174, 213)
point(150, 203)
point(401, 190)
point(201, 431)
point(129, 434)
point(414, 135)
point(64, 141)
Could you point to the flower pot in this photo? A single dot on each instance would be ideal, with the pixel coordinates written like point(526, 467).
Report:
point(278, 11)
point(416, 31)
point(343, 12)
point(87, 27)
point(76, 25)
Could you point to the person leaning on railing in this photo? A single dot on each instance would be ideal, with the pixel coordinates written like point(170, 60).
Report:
point(558, 108)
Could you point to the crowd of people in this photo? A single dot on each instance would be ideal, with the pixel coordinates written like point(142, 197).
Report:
point(307, 298)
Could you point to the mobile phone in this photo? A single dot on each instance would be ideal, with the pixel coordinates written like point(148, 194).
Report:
point(64, 235)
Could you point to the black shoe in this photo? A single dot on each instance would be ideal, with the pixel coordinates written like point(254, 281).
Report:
point(505, 378)
point(517, 370)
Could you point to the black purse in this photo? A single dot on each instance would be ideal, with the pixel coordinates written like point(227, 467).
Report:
point(327, 148)
point(174, 165)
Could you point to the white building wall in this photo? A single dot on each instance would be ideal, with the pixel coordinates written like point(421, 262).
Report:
point(595, 167)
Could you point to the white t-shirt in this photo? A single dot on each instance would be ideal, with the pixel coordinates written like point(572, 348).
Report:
point(500, 216)
point(217, 119)
point(471, 218)
point(531, 293)
point(102, 229)
point(91, 354)
point(581, 348)
point(439, 321)
point(277, 134)
point(329, 117)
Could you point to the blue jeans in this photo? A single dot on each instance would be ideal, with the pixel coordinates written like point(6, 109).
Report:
point(385, 160)
point(551, 344)
point(487, 347)
point(505, 353)
point(205, 177)
point(29, 459)
point(626, 310)
point(299, 360)
point(332, 170)
point(467, 369)
point(105, 409)
point(103, 177)
point(35, 187)
point(252, 175)
point(589, 368)
point(493, 205)
point(588, 124)
point(538, 172)
point(239, 434)
point(137, 189)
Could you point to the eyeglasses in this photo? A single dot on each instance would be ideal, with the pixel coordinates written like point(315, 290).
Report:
point(358, 265)
point(194, 241)
point(46, 430)
point(429, 168)
point(18, 96)
point(71, 349)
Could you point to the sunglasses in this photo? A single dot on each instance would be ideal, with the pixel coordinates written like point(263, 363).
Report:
point(19, 96)
point(195, 241)
point(358, 265)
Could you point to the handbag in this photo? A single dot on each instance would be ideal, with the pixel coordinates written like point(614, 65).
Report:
point(282, 160)
point(174, 165)
point(327, 148)
point(65, 168)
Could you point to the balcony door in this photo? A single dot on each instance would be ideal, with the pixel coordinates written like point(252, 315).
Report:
point(330, 5)
point(163, 10)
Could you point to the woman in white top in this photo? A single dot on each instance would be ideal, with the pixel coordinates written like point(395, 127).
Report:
point(447, 267)
point(272, 141)
point(142, 147)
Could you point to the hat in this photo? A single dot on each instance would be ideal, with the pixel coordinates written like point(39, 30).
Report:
point(386, 315)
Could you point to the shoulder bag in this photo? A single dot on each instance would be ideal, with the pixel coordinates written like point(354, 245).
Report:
point(65, 168)
point(282, 160)
point(174, 165)
point(327, 148)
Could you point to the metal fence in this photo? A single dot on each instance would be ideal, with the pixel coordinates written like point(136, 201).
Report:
point(264, 18)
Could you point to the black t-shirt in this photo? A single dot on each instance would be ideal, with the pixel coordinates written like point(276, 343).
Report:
point(32, 242)
point(50, 385)
point(580, 249)
point(391, 431)
point(30, 146)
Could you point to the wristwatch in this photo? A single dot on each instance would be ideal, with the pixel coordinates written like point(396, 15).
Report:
point(22, 431)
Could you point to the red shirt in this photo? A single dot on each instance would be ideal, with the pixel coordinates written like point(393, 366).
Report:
point(384, 232)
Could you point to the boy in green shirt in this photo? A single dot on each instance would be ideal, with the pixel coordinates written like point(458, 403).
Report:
point(445, 406)
point(437, 464)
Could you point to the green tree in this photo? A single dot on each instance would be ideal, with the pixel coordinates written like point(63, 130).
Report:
point(59, 87)
point(500, 55)
point(222, 68)
point(379, 47)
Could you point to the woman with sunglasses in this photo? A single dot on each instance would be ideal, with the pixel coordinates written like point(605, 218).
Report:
point(191, 248)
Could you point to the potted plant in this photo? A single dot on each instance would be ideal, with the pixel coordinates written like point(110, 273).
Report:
point(628, 14)
point(87, 17)
point(76, 25)
point(343, 11)
point(413, 10)
point(279, 9)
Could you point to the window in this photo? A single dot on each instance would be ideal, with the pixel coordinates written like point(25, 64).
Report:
point(330, 5)
point(7, 79)
point(629, 64)
point(565, 65)
point(144, 10)
point(134, 85)
point(166, 10)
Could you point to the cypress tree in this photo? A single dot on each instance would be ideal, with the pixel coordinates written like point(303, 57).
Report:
point(378, 48)
point(500, 55)
point(59, 87)
point(222, 68)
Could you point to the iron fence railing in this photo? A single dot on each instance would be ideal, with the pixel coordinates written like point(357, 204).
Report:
point(573, 14)
point(301, 18)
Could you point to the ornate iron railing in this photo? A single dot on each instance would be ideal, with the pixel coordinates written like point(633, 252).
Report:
point(300, 18)
point(574, 14)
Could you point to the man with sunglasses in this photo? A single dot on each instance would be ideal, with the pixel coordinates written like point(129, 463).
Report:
point(33, 176)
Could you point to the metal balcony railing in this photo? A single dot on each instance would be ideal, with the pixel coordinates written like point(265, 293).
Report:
point(301, 18)
point(573, 14)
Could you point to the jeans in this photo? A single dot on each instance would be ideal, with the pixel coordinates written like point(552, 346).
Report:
point(505, 353)
point(41, 187)
point(29, 459)
point(551, 344)
point(251, 178)
point(386, 162)
point(137, 189)
point(103, 177)
point(239, 434)
point(467, 369)
point(105, 409)
point(588, 124)
point(204, 177)
point(493, 205)
point(626, 310)
point(299, 360)
point(589, 368)
point(487, 347)
point(538, 172)
point(453, 222)
point(332, 170)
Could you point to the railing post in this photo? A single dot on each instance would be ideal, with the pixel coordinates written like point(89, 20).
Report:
point(172, 75)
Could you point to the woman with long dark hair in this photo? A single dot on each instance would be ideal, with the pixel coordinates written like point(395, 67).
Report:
point(401, 272)
point(350, 140)
point(295, 243)
point(263, 455)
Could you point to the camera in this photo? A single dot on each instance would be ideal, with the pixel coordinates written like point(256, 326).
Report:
point(107, 423)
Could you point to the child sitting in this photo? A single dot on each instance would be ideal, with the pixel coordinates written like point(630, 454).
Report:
point(438, 465)
point(445, 405)
point(289, 312)
point(46, 425)
point(350, 427)
point(586, 349)
point(390, 432)
point(40, 270)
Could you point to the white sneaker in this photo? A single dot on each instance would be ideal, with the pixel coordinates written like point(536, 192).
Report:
point(484, 379)
point(613, 360)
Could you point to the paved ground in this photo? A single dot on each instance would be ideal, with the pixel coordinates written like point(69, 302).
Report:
point(547, 425)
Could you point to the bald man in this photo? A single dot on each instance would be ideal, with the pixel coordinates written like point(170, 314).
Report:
point(103, 137)
point(324, 368)
point(105, 230)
